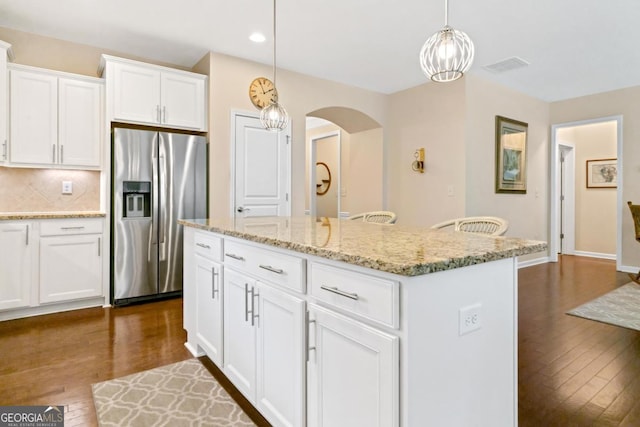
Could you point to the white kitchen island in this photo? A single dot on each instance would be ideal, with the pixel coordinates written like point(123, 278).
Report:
point(326, 322)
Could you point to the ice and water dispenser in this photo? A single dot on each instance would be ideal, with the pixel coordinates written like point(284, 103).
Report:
point(137, 199)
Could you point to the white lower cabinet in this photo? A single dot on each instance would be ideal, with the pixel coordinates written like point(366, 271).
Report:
point(16, 265)
point(264, 347)
point(352, 373)
point(209, 307)
point(70, 267)
point(70, 259)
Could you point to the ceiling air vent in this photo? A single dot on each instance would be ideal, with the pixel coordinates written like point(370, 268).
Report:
point(506, 65)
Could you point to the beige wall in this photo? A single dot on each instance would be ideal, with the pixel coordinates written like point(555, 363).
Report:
point(35, 190)
point(624, 103)
point(528, 214)
point(299, 94)
point(327, 150)
point(596, 212)
point(430, 116)
point(59, 55)
point(364, 172)
point(362, 169)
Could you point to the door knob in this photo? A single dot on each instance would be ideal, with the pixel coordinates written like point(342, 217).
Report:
point(242, 209)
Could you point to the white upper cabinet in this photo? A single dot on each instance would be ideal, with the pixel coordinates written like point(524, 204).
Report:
point(56, 119)
point(150, 94)
point(6, 54)
point(79, 122)
point(34, 117)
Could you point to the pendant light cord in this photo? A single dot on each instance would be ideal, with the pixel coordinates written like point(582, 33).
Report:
point(274, 43)
point(446, 12)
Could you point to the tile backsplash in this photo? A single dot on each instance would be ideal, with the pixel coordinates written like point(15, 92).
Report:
point(40, 190)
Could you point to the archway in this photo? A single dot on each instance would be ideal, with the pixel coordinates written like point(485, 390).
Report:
point(351, 143)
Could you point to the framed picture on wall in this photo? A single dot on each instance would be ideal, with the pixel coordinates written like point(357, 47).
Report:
point(602, 173)
point(511, 156)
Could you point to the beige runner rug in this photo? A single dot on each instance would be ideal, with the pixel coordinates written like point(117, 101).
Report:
point(620, 307)
point(180, 394)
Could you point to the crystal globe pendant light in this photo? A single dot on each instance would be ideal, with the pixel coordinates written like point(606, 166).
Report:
point(447, 54)
point(274, 117)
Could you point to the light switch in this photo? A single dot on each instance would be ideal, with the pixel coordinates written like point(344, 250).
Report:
point(67, 187)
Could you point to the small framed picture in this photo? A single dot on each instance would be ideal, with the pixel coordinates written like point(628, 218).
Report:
point(602, 173)
point(511, 156)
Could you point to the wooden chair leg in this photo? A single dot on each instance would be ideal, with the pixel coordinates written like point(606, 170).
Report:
point(635, 277)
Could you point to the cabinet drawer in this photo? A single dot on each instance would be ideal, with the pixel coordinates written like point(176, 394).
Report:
point(371, 297)
point(266, 264)
point(63, 227)
point(208, 245)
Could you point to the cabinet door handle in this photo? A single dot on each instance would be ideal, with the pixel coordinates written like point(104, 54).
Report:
point(234, 256)
point(27, 237)
point(213, 283)
point(335, 290)
point(308, 345)
point(254, 294)
point(53, 153)
point(61, 154)
point(4, 150)
point(99, 244)
point(246, 302)
point(271, 269)
point(202, 245)
point(158, 113)
point(164, 114)
point(79, 227)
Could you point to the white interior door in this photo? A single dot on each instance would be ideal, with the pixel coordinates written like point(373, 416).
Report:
point(262, 169)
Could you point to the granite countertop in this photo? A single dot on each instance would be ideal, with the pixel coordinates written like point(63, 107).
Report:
point(50, 215)
point(398, 249)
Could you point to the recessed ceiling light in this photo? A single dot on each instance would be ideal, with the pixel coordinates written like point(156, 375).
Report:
point(257, 37)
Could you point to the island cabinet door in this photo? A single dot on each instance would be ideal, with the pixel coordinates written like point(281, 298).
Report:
point(209, 308)
point(239, 333)
point(280, 320)
point(352, 373)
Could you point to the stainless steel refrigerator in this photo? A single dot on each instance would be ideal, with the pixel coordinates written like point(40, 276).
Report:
point(157, 178)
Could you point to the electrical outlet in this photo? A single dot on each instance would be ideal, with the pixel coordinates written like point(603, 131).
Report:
point(470, 318)
point(67, 187)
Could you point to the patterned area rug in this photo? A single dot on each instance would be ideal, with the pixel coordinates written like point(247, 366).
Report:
point(619, 307)
point(181, 394)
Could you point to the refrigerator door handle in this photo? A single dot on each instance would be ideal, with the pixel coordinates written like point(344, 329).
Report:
point(162, 203)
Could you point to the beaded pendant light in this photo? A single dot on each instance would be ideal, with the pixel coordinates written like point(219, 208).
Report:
point(447, 54)
point(274, 117)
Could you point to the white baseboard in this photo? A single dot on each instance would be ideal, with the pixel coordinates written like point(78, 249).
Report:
point(531, 262)
point(595, 255)
point(51, 308)
point(628, 269)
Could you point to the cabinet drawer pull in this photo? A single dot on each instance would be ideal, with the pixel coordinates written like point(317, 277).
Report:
point(234, 256)
point(335, 290)
point(79, 227)
point(272, 269)
point(202, 245)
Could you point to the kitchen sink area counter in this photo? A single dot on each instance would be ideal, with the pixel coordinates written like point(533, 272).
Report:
point(397, 249)
point(14, 216)
point(328, 322)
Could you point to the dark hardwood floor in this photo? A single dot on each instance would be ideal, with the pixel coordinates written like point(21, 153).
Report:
point(572, 371)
